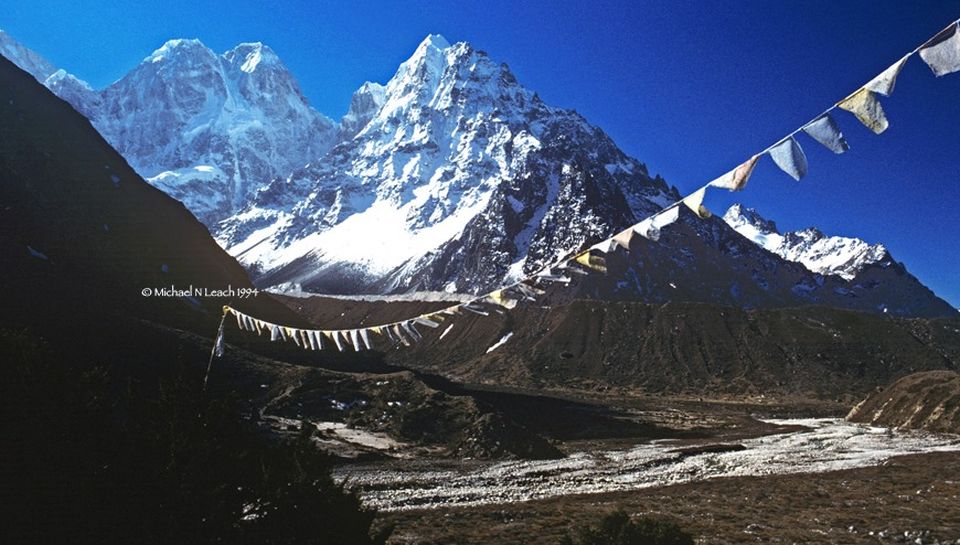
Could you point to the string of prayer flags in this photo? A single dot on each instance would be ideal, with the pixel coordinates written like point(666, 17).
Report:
point(884, 82)
point(865, 106)
point(789, 156)
point(694, 201)
point(736, 179)
point(826, 131)
point(942, 54)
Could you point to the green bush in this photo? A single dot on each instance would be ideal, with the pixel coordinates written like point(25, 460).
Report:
point(618, 529)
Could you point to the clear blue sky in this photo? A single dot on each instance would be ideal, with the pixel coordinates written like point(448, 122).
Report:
point(689, 88)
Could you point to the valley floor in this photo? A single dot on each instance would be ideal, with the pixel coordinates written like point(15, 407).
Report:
point(800, 446)
point(907, 499)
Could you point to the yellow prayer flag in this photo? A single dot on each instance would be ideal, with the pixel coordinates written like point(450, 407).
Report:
point(867, 108)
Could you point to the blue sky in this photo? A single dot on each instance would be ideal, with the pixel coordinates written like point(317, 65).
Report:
point(689, 88)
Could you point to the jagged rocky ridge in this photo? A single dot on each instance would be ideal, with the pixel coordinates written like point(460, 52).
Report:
point(454, 177)
point(828, 255)
point(207, 129)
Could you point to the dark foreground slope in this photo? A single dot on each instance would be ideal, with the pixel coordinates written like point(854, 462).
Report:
point(105, 433)
point(674, 348)
point(929, 401)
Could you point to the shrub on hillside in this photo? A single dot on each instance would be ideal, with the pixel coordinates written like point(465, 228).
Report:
point(618, 528)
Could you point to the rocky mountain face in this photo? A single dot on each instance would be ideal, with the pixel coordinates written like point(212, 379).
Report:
point(207, 129)
point(829, 255)
point(459, 180)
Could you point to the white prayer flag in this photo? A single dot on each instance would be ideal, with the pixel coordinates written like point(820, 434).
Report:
point(943, 55)
point(218, 343)
point(788, 155)
point(885, 81)
point(736, 179)
point(336, 340)
point(355, 340)
point(365, 337)
point(826, 131)
point(694, 201)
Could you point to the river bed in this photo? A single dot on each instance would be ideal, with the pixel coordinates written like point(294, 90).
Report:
point(821, 445)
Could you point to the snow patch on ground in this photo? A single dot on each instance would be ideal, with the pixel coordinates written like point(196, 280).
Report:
point(503, 340)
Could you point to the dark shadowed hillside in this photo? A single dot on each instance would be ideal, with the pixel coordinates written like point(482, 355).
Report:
point(674, 348)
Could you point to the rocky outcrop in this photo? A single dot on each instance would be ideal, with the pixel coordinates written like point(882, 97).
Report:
point(929, 401)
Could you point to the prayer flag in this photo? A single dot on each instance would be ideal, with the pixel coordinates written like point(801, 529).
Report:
point(943, 55)
point(736, 179)
point(788, 155)
point(826, 131)
point(355, 340)
point(884, 82)
point(694, 201)
point(867, 108)
point(218, 343)
point(623, 238)
point(365, 337)
point(336, 340)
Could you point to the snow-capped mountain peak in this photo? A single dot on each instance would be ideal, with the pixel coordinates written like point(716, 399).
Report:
point(250, 57)
point(178, 47)
point(451, 159)
point(831, 255)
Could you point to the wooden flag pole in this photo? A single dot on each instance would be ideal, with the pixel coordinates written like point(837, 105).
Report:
point(213, 351)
